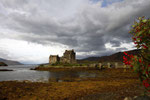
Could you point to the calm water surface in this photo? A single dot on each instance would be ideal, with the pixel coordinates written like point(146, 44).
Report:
point(23, 72)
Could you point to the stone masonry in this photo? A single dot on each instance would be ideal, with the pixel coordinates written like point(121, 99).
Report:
point(69, 56)
point(54, 59)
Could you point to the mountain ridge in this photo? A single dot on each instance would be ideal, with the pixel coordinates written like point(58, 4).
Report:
point(116, 57)
point(10, 62)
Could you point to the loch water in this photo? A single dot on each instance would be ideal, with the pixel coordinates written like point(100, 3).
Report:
point(23, 73)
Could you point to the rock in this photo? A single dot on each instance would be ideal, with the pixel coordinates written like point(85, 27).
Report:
point(145, 97)
point(3, 64)
point(128, 98)
point(32, 68)
point(6, 70)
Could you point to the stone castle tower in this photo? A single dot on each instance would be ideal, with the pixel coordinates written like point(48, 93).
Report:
point(69, 56)
point(54, 59)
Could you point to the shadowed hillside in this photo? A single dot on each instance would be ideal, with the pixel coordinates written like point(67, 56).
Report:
point(117, 57)
point(10, 62)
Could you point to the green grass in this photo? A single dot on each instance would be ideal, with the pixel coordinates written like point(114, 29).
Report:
point(62, 65)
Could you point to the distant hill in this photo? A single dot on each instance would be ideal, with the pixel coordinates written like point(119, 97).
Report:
point(10, 62)
point(116, 57)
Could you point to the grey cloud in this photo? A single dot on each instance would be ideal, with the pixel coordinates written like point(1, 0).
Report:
point(115, 43)
point(87, 29)
point(4, 54)
point(121, 49)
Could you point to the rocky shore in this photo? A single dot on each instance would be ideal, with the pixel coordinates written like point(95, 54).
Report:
point(118, 84)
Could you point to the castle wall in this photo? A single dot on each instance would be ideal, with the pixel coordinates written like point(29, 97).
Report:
point(69, 56)
point(64, 60)
point(54, 59)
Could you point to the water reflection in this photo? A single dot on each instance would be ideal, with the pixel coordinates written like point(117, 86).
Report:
point(73, 74)
point(23, 72)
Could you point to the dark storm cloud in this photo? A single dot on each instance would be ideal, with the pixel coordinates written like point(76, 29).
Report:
point(85, 28)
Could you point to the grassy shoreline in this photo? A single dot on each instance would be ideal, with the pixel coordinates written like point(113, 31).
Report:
point(65, 67)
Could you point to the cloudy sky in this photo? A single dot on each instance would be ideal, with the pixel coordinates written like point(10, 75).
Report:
point(31, 30)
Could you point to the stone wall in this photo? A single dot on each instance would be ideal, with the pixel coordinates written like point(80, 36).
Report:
point(109, 65)
point(54, 59)
point(69, 56)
